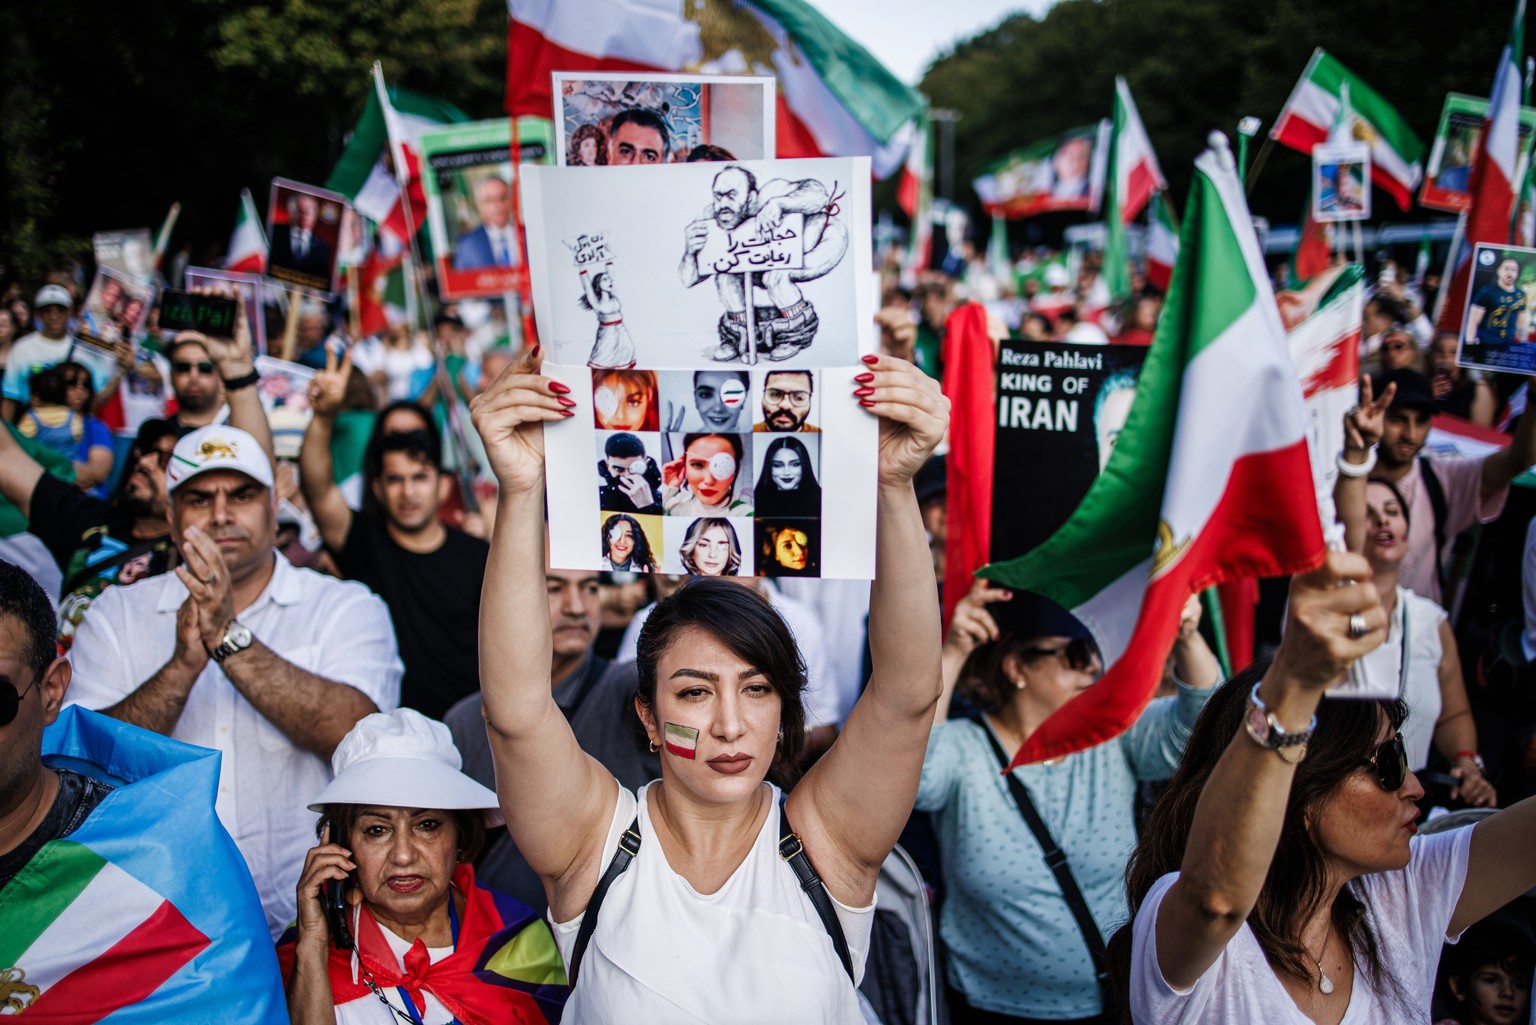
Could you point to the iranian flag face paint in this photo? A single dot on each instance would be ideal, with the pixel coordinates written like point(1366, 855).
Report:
point(682, 741)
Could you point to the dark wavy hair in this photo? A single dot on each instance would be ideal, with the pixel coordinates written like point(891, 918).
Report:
point(1346, 737)
point(741, 619)
point(580, 136)
point(22, 598)
point(641, 557)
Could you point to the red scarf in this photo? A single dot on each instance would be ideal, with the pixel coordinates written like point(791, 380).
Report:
point(459, 981)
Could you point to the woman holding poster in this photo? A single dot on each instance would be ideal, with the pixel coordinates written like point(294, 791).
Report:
point(701, 918)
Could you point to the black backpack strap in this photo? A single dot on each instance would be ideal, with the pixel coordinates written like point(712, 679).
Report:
point(629, 846)
point(1435, 492)
point(1056, 860)
point(793, 851)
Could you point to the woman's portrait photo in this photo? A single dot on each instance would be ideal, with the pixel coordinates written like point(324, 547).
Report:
point(626, 544)
point(787, 478)
point(625, 400)
point(710, 547)
point(789, 548)
point(707, 476)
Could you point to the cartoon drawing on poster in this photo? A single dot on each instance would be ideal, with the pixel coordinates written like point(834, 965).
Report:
point(725, 466)
point(789, 234)
point(619, 119)
point(613, 348)
point(760, 241)
point(1496, 326)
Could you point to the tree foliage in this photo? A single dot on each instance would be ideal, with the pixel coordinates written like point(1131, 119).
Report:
point(1198, 65)
point(113, 111)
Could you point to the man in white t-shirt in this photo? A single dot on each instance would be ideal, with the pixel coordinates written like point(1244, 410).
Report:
point(42, 349)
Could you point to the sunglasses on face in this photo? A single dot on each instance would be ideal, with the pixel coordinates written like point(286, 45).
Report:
point(1390, 764)
point(186, 367)
point(162, 455)
point(1078, 653)
point(10, 700)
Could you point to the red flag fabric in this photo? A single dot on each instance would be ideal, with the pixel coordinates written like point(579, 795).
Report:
point(969, 383)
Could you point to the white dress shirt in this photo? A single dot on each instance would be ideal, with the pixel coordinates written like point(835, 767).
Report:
point(335, 629)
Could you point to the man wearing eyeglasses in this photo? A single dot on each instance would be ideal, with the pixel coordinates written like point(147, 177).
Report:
point(787, 399)
point(196, 383)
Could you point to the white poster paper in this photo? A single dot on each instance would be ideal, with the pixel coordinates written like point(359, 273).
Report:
point(710, 436)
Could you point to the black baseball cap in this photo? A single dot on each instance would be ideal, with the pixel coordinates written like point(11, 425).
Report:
point(1413, 390)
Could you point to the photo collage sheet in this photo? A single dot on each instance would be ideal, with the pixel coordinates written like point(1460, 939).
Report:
point(708, 318)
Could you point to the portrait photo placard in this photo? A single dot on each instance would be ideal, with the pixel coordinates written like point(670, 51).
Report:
point(1060, 409)
point(1448, 172)
point(304, 228)
point(611, 120)
point(115, 309)
point(1341, 182)
point(467, 178)
point(1496, 325)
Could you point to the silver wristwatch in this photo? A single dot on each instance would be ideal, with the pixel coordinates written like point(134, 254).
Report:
point(237, 637)
point(1266, 730)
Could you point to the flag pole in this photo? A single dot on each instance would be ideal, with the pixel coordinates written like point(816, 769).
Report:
point(445, 385)
point(1258, 164)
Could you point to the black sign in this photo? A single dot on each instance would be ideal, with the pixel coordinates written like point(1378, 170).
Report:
point(186, 311)
point(1060, 407)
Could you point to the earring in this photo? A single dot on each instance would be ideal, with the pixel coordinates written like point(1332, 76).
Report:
point(654, 747)
point(1018, 683)
point(781, 735)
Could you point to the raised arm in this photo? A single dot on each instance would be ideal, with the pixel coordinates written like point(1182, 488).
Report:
point(969, 628)
point(1363, 427)
point(557, 800)
point(317, 471)
point(19, 472)
point(1507, 463)
point(1242, 807)
point(853, 803)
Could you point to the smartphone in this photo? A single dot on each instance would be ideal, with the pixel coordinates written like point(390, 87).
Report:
point(333, 899)
point(188, 311)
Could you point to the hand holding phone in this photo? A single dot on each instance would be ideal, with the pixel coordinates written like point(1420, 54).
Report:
point(333, 899)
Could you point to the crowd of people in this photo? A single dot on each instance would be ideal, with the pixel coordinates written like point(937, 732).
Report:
point(437, 776)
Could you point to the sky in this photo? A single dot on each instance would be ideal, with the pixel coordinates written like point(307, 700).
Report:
point(907, 35)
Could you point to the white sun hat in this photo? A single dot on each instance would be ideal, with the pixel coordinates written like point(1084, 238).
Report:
point(402, 759)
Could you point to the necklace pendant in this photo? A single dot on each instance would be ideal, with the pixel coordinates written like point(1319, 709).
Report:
point(1324, 984)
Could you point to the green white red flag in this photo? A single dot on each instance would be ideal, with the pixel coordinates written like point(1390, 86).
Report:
point(1495, 164)
point(1200, 488)
point(834, 98)
point(1133, 179)
point(1309, 115)
point(1162, 241)
point(248, 242)
point(387, 133)
point(914, 194)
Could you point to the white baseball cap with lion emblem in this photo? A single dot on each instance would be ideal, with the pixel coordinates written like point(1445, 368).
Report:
point(217, 447)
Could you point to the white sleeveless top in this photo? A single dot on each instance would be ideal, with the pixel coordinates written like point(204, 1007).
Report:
point(753, 951)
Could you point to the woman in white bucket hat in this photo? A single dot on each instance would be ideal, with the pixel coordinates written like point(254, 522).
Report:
point(407, 926)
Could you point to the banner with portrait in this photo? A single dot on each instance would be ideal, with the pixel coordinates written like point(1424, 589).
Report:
point(130, 253)
point(1341, 182)
point(467, 177)
point(115, 309)
point(304, 236)
point(1496, 326)
point(1447, 175)
point(1065, 172)
point(621, 119)
point(708, 319)
point(1060, 409)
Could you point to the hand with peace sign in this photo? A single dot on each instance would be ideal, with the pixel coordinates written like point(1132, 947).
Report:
point(1365, 423)
point(328, 387)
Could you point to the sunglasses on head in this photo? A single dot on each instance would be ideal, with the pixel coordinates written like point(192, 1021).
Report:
point(187, 366)
point(1078, 653)
point(10, 700)
point(1390, 763)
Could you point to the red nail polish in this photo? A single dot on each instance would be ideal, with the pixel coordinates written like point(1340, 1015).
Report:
point(865, 403)
point(568, 403)
point(558, 388)
point(871, 359)
point(533, 353)
point(567, 412)
point(863, 391)
point(865, 378)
